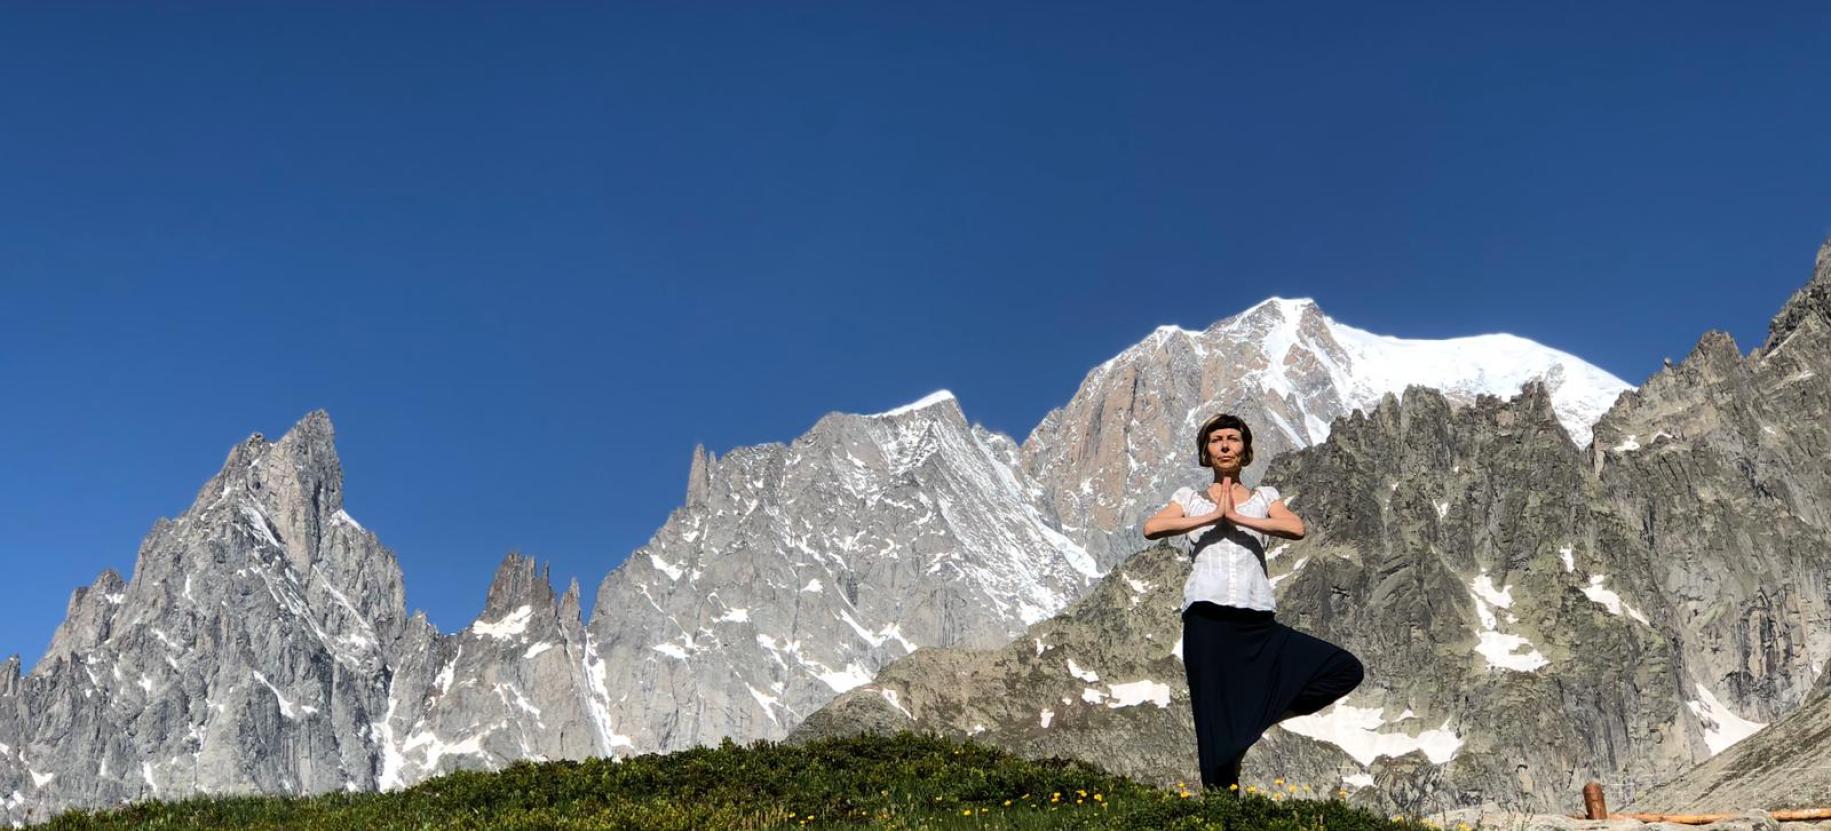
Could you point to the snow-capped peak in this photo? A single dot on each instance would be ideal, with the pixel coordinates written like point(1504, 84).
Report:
point(928, 400)
point(1362, 366)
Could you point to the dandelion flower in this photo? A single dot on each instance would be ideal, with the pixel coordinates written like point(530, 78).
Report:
point(1098, 798)
point(1234, 787)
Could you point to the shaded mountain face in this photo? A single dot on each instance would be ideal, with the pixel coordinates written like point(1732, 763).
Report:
point(1531, 615)
point(1749, 442)
point(1126, 440)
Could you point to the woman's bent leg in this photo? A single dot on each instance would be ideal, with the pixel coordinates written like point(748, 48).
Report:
point(1337, 676)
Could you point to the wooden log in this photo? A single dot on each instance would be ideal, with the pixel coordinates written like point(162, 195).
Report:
point(1594, 806)
point(1788, 815)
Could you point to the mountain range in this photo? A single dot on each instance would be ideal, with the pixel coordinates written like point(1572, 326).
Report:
point(262, 643)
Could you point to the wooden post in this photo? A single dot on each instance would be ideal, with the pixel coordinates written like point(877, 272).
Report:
point(1593, 803)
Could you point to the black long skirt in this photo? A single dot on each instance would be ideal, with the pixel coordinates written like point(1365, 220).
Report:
point(1248, 672)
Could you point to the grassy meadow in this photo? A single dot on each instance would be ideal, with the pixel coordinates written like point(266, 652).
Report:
point(906, 781)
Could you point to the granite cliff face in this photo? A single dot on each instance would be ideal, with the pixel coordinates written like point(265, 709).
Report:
point(249, 653)
point(512, 685)
point(796, 572)
point(1532, 615)
point(1750, 441)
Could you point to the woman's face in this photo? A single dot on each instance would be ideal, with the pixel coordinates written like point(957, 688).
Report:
point(1225, 447)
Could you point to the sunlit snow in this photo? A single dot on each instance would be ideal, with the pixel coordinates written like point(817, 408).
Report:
point(928, 400)
point(1722, 727)
point(1502, 650)
point(1610, 600)
point(512, 624)
point(1356, 731)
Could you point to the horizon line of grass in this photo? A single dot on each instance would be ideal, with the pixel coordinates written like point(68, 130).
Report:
point(906, 781)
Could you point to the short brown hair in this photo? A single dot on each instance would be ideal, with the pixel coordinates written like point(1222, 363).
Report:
point(1222, 422)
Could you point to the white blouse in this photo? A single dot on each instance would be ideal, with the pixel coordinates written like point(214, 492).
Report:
point(1229, 560)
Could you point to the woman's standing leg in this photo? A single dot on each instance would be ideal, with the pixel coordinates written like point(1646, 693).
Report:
point(1204, 670)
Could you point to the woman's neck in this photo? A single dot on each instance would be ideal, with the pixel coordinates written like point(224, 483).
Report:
point(1233, 474)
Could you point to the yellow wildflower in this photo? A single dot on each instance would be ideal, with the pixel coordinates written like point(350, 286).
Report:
point(1007, 803)
point(1234, 787)
point(1098, 797)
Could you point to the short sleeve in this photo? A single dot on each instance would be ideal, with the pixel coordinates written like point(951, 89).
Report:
point(1181, 497)
point(1271, 494)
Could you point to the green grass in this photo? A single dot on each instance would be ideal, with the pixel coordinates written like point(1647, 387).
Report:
point(903, 782)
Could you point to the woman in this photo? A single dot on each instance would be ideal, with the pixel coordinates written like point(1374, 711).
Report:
point(1246, 670)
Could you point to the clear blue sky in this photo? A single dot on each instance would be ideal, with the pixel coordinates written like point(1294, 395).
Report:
point(527, 255)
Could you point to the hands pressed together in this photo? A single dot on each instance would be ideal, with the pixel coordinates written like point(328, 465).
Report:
point(1224, 507)
point(1278, 521)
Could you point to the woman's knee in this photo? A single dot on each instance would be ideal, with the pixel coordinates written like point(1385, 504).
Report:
point(1350, 670)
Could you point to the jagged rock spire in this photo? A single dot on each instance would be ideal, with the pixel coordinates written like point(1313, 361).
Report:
point(699, 475)
point(1811, 303)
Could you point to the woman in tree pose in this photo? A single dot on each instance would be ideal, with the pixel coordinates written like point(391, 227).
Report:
point(1246, 670)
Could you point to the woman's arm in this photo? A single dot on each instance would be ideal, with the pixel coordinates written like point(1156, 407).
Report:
point(1172, 521)
point(1279, 522)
